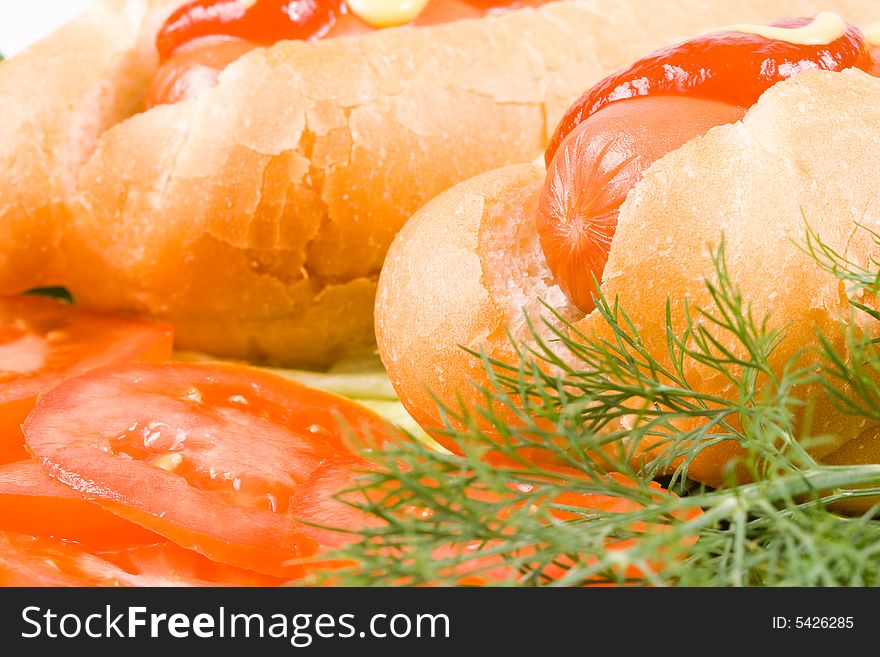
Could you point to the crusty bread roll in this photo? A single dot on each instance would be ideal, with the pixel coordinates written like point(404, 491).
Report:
point(809, 149)
point(807, 155)
point(58, 96)
point(256, 217)
point(460, 274)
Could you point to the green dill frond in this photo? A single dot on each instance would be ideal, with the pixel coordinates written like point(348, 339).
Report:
point(532, 501)
point(859, 277)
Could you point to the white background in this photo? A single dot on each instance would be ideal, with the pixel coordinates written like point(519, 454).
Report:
point(24, 21)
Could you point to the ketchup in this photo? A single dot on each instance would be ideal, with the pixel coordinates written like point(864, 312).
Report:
point(204, 36)
point(733, 67)
point(611, 136)
point(262, 22)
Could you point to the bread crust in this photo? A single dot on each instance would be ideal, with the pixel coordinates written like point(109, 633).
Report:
point(237, 215)
point(58, 96)
point(760, 183)
point(805, 157)
point(440, 292)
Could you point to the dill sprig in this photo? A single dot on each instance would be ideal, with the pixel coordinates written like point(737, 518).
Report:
point(577, 407)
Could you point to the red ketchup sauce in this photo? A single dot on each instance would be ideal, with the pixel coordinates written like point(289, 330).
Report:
point(202, 37)
point(617, 129)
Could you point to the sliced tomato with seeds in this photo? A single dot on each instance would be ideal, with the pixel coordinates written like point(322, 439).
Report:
point(207, 455)
point(43, 342)
point(40, 561)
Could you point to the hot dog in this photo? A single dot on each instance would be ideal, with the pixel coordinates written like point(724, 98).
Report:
point(750, 181)
point(256, 215)
point(116, 59)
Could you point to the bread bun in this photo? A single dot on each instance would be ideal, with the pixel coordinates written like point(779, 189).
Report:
point(459, 276)
point(256, 217)
point(806, 155)
point(58, 96)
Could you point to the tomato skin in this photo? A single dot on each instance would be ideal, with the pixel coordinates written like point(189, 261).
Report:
point(12, 416)
point(35, 561)
point(43, 342)
point(733, 67)
point(166, 564)
point(207, 455)
point(594, 170)
point(32, 561)
point(325, 498)
point(32, 502)
point(51, 535)
point(329, 518)
point(50, 341)
point(490, 569)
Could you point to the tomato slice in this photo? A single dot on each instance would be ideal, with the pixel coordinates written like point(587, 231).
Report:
point(32, 502)
point(332, 522)
point(206, 455)
point(50, 535)
point(479, 568)
point(40, 561)
point(594, 170)
point(43, 341)
point(325, 499)
point(168, 564)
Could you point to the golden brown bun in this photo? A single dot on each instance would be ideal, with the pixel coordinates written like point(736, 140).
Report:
point(459, 275)
point(58, 96)
point(808, 154)
point(809, 149)
point(256, 218)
